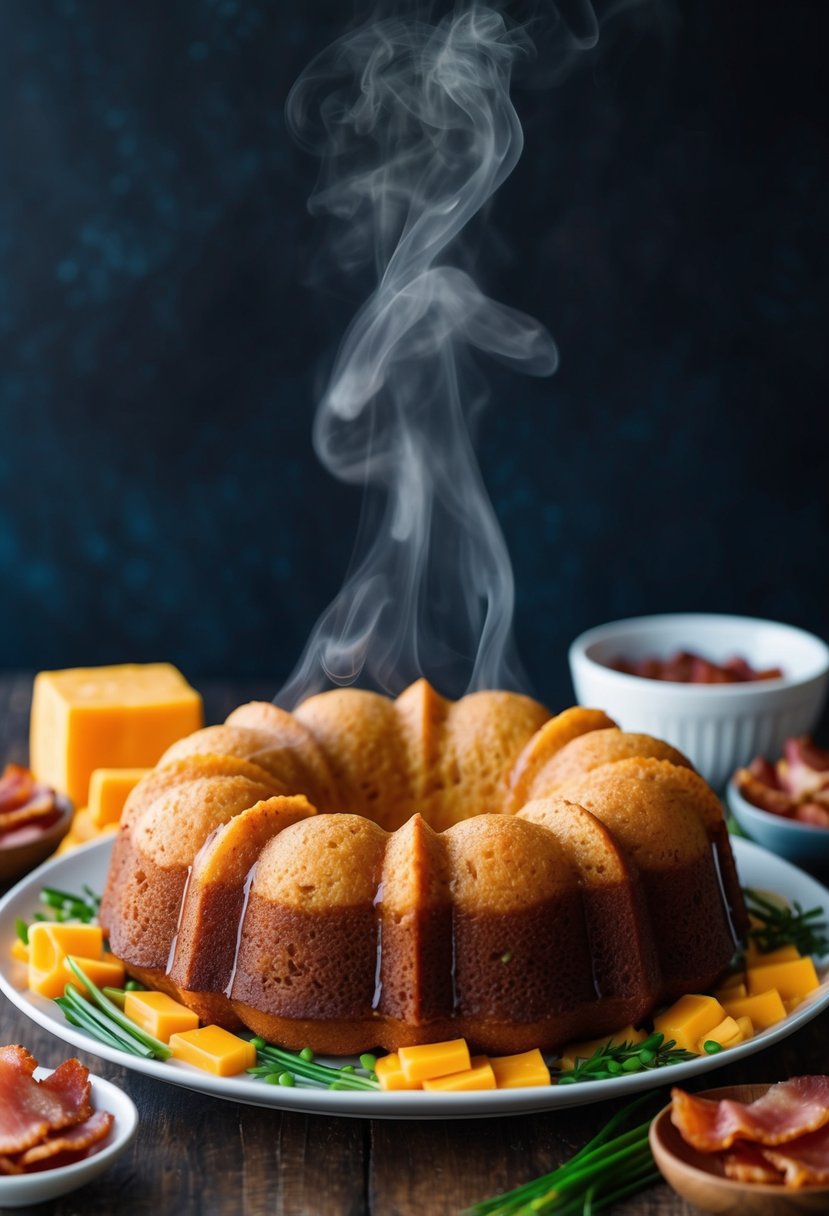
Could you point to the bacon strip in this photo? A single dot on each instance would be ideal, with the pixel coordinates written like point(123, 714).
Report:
point(30, 1110)
point(805, 1161)
point(38, 808)
point(73, 1140)
point(788, 1110)
point(747, 1163)
point(16, 787)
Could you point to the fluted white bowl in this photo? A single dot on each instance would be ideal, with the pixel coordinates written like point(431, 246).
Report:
point(719, 727)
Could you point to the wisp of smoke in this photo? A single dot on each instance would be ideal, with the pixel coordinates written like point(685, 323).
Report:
point(416, 129)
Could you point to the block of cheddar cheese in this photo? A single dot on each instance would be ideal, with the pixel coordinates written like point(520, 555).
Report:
point(107, 717)
point(108, 791)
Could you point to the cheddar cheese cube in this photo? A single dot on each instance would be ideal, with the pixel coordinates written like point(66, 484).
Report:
point(527, 1068)
point(756, 958)
point(727, 1034)
point(430, 1060)
point(52, 982)
point(108, 791)
point(391, 1075)
point(795, 978)
point(746, 1027)
point(689, 1019)
point(214, 1050)
point(584, 1050)
point(116, 717)
point(106, 972)
point(49, 943)
point(159, 1014)
point(19, 951)
point(764, 1008)
point(479, 1075)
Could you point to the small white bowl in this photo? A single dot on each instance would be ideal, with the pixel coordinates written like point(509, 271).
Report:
point(21, 1190)
point(720, 727)
point(803, 843)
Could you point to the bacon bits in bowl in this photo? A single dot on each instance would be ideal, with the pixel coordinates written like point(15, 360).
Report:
point(720, 688)
point(762, 1150)
point(33, 821)
point(785, 806)
point(59, 1128)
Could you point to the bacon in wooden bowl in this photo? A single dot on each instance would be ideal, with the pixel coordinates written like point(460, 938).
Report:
point(33, 820)
point(762, 1150)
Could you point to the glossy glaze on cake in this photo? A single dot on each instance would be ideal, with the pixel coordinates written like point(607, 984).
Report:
point(369, 872)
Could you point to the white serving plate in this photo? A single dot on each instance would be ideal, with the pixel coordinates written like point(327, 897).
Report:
point(88, 864)
point(22, 1190)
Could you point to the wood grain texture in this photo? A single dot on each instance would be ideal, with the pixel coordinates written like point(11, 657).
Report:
point(195, 1154)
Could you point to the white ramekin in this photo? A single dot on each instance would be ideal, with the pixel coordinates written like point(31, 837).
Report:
point(718, 726)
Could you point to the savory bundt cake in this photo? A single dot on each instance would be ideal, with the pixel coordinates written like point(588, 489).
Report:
point(368, 872)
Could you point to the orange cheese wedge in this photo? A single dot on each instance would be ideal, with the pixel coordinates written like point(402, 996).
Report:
point(94, 717)
point(159, 1014)
point(214, 1050)
point(478, 1076)
point(430, 1060)
point(526, 1068)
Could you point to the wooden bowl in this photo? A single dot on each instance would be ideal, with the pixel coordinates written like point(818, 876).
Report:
point(699, 1177)
point(18, 859)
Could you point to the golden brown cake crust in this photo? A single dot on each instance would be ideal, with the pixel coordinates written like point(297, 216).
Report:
point(426, 903)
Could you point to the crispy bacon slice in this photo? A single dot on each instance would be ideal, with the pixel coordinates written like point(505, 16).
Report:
point(747, 1163)
point(805, 1161)
point(30, 1110)
point(17, 785)
point(71, 1140)
point(39, 807)
point(768, 798)
point(788, 1110)
point(22, 799)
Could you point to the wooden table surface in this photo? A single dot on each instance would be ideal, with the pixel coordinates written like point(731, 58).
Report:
point(202, 1155)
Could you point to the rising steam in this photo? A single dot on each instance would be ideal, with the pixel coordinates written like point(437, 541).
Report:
point(416, 130)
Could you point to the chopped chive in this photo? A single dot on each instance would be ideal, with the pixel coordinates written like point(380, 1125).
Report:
point(712, 1046)
point(272, 1059)
point(160, 1050)
point(22, 930)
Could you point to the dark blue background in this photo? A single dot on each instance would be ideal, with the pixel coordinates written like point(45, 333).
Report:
point(161, 347)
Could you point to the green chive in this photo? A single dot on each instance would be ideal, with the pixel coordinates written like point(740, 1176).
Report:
point(160, 1050)
point(712, 1046)
point(22, 930)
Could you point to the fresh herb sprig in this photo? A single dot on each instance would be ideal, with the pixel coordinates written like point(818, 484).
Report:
point(786, 925)
point(608, 1169)
point(621, 1059)
point(62, 906)
point(279, 1067)
point(68, 906)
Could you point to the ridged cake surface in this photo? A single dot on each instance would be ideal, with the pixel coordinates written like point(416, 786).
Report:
point(369, 872)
